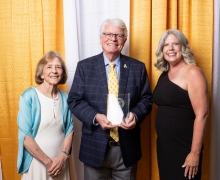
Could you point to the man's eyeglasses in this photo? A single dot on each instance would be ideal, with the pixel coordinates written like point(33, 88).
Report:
point(110, 35)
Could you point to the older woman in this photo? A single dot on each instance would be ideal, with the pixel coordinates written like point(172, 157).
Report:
point(45, 124)
point(182, 98)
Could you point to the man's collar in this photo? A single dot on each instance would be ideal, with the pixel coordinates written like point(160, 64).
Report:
point(116, 61)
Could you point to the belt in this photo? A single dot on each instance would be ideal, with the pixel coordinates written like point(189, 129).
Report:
point(113, 143)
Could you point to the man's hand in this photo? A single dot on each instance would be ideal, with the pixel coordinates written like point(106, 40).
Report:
point(104, 122)
point(130, 122)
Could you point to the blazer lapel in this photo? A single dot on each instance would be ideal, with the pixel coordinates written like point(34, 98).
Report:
point(101, 73)
point(124, 70)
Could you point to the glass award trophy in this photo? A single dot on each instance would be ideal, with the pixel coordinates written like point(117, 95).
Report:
point(118, 108)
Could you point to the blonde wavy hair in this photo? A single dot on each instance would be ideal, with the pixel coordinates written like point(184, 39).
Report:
point(188, 56)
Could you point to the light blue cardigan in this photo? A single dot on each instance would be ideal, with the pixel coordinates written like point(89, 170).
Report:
point(29, 116)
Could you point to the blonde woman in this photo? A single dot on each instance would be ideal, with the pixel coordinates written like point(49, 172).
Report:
point(182, 97)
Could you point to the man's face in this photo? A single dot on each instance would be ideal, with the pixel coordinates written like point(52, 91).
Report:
point(112, 45)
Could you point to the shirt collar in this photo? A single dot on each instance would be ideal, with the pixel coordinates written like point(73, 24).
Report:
point(116, 61)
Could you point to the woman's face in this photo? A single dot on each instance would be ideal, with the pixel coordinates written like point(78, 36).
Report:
point(172, 49)
point(52, 72)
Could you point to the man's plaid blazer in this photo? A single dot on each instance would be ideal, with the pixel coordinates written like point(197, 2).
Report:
point(88, 97)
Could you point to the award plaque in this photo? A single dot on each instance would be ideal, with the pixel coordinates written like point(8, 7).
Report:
point(118, 108)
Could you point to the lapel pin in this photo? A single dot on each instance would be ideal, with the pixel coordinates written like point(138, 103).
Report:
point(125, 66)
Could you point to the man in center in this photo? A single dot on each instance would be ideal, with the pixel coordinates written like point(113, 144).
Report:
point(110, 151)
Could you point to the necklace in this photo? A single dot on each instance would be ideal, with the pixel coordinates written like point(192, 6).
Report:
point(49, 95)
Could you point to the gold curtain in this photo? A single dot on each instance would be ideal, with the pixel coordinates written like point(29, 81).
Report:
point(149, 19)
point(28, 29)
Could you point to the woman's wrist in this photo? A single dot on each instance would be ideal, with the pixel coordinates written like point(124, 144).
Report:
point(195, 152)
point(48, 162)
point(66, 154)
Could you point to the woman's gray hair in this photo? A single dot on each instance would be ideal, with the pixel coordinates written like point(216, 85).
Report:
point(188, 56)
point(115, 22)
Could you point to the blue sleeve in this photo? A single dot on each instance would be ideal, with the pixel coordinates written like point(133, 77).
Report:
point(68, 124)
point(24, 125)
point(28, 121)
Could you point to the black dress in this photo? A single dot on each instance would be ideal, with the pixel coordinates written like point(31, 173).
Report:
point(174, 126)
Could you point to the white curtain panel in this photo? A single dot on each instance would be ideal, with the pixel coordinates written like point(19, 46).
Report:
point(215, 129)
point(82, 20)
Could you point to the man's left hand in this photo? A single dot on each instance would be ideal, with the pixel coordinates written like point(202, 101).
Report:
point(130, 122)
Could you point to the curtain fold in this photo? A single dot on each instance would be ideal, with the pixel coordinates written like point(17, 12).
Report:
point(140, 48)
point(72, 57)
point(71, 39)
point(215, 113)
point(0, 168)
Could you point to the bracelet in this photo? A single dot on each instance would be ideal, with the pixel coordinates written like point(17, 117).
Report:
point(66, 154)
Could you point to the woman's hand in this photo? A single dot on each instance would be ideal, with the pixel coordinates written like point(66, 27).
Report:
point(191, 165)
point(55, 167)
